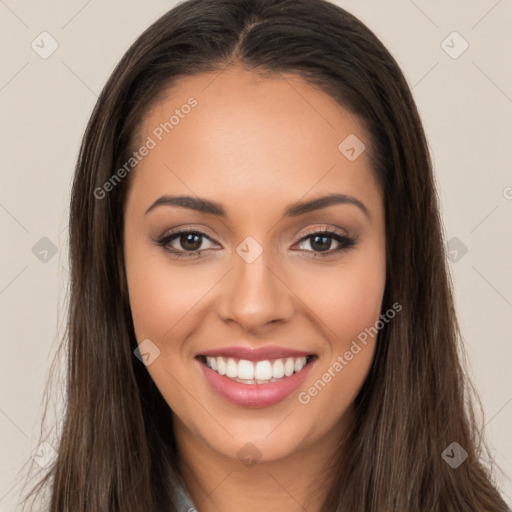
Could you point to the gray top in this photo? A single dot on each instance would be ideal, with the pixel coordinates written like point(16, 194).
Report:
point(185, 501)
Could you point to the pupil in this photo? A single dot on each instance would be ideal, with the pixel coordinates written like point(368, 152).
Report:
point(326, 241)
point(186, 239)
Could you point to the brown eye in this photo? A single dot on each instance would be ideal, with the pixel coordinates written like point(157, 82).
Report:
point(190, 242)
point(185, 243)
point(320, 243)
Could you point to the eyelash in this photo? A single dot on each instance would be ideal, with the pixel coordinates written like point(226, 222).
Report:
point(346, 242)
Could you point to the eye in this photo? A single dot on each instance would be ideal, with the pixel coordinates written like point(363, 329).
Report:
point(185, 242)
point(320, 243)
point(191, 242)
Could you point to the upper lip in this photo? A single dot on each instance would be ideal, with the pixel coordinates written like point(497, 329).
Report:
point(255, 354)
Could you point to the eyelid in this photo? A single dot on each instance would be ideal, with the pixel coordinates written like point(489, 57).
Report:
point(202, 230)
point(321, 229)
point(309, 231)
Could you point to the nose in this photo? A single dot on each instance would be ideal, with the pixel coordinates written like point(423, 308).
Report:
point(255, 295)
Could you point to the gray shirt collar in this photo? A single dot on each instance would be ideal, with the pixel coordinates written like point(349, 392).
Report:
point(184, 499)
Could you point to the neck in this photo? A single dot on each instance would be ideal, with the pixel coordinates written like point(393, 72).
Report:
point(295, 483)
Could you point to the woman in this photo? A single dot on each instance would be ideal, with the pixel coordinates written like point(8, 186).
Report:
point(261, 316)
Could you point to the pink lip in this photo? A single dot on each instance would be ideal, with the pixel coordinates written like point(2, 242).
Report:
point(254, 395)
point(255, 354)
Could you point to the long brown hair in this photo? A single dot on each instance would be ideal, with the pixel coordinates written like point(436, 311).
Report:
point(116, 451)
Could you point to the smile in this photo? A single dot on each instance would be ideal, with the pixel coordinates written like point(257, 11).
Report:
point(256, 383)
point(257, 372)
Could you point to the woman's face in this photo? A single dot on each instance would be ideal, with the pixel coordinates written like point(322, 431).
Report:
point(259, 282)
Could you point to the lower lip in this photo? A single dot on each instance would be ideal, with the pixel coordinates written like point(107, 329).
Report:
point(254, 395)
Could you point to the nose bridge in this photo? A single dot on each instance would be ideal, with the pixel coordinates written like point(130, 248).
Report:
point(255, 296)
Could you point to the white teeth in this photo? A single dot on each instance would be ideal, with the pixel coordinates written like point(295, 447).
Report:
point(221, 366)
point(231, 369)
point(300, 363)
point(249, 372)
point(289, 366)
point(277, 369)
point(245, 370)
point(263, 370)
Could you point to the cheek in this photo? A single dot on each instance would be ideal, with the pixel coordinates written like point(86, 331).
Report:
point(348, 302)
point(162, 301)
point(352, 307)
point(356, 304)
point(161, 294)
point(346, 299)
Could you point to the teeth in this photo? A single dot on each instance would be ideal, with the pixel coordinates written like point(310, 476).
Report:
point(277, 369)
point(299, 363)
point(263, 370)
point(289, 366)
point(259, 372)
point(221, 366)
point(245, 369)
point(231, 369)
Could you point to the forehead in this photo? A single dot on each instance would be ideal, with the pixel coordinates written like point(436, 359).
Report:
point(239, 137)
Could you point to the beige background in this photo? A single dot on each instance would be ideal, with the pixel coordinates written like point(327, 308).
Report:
point(466, 106)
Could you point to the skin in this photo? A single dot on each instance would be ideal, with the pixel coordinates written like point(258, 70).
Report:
point(255, 145)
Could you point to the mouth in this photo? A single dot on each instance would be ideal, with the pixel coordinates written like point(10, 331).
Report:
point(264, 371)
point(255, 378)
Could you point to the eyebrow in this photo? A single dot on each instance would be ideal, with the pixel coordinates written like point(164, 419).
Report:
point(293, 210)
